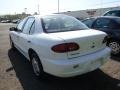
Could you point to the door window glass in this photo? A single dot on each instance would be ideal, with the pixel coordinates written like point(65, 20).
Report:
point(113, 13)
point(21, 24)
point(101, 23)
point(28, 25)
point(88, 22)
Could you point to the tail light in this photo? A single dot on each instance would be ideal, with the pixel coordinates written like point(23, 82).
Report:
point(105, 39)
point(65, 47)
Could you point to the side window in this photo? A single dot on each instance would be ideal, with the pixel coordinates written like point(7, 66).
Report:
point(113, 13)
point(101, 23)
point(32, 30)
point(109, 13)
point(21, 24)
point(88, 22)
point(28, 25)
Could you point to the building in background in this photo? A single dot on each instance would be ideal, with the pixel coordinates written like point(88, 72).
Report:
point(82, 14)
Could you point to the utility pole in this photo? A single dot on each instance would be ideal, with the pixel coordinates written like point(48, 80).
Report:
point(25, 10)
point(101, 6)
point(58, 6)
point(38, 9)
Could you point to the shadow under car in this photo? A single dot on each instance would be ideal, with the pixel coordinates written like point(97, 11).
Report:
point(96, 80)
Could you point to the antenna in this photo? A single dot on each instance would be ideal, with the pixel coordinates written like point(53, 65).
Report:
point(58, 6)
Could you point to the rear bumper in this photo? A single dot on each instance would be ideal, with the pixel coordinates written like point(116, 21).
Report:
point(76, 66)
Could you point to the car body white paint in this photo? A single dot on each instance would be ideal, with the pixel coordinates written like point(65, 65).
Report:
point(69, 64)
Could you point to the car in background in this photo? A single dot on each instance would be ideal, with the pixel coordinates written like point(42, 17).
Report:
point(88, 21)
point(16, 21)
point(6, 21)
point(3, 21)
point(112, 13)
point(59, 45)
point(110, 25)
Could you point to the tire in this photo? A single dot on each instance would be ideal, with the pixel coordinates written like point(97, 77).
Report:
point(36, 65)
point(115, 47)
point(12, 44)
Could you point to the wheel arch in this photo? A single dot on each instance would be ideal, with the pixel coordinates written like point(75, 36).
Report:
point(30, 51)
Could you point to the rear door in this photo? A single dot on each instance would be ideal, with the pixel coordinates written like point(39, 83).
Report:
point(102, 24)
point(25, 36)
point(110, 26)
point(16, 34)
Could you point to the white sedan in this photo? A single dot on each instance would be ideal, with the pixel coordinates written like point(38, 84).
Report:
point(59, 45)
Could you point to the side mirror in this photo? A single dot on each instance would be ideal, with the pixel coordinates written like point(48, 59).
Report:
point(13, 29)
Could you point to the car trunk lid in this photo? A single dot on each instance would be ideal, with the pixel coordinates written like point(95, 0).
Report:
point(89, 41)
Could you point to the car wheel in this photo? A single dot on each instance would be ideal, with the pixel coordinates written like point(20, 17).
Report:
point(115, 47)
point(12, 44)
point(36, 65)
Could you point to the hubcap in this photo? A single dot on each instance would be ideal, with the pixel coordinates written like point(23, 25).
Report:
point(35, 66)
point(115, 47)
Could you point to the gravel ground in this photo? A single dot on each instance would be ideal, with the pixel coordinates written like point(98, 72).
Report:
point(16, 72)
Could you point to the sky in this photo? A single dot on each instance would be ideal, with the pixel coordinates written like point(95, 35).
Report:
point(51, 6)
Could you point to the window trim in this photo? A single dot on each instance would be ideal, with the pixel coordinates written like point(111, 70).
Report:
point(31, 27)
point(43, 26)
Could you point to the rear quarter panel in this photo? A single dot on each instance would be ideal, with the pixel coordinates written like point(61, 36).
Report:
point(42, 44)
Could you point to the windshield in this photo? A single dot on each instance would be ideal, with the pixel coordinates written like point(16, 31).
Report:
point(61, 23)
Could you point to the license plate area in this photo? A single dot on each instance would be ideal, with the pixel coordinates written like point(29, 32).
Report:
point(95, 64)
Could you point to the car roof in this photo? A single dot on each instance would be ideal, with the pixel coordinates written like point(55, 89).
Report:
point(40, 16)
point(103, 17)
point(114, 10)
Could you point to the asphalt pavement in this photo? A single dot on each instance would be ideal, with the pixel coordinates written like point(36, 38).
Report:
point(16, 72)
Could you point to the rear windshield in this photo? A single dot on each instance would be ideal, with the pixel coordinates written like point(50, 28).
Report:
point(61, 23)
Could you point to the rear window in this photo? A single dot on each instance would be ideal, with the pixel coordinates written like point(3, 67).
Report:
point(89, 22)
point(61, 23)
